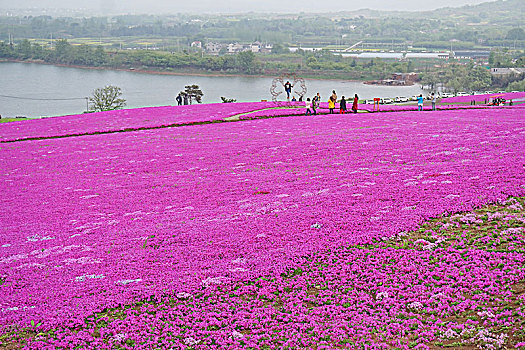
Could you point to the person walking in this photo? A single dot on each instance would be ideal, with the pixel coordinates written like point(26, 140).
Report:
point(433, 97)
point(354, 105)
point(331, 105)
point(288, 89)
point(316, 101)
point(179, 99)
point(342, 105)
point(307, 106)
point(314, 105)
point(420, 103)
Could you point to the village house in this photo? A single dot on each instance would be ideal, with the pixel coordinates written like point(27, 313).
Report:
point(197, 44)
point(507, 71)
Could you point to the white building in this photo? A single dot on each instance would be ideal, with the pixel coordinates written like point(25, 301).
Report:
point(235, 48)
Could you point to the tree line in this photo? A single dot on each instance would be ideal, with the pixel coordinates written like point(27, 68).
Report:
point(313, 63)
point(458, 77)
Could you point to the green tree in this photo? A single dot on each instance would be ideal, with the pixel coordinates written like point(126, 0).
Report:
point(477, 78)
point(517, 86)
point(63, 51)
point(24, 49)
point(516, 34)
point(193, 92)
point(107, 98)
point(227, 100)
point(246, 61)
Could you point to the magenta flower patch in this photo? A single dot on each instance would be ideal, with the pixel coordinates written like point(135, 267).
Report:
point(180, 215)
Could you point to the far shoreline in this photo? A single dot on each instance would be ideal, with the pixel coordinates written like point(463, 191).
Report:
point(175, 73)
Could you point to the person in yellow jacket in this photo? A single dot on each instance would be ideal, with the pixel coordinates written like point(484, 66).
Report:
point(331, 105)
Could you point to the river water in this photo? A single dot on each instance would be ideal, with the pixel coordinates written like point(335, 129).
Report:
point(39, 88)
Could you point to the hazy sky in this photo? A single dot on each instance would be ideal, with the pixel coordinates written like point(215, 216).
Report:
point(235, 6)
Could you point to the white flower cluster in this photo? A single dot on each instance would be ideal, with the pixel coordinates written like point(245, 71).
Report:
point(381, 295)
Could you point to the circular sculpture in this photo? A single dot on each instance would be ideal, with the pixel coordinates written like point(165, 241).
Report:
point(277, 88)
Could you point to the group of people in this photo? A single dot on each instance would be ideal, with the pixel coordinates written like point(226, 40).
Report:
point(181, 99)
point(312, 105)
point(421, 100)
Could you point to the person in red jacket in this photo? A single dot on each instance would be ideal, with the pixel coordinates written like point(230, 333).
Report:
point(354, 105)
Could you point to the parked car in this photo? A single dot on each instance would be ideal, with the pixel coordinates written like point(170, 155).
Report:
point(403, 99)
point(514, 91)
point(488, 92)
point(446, 95)
point(369, 102)
point(397, 99)
point(387, 101)
point(462, 93)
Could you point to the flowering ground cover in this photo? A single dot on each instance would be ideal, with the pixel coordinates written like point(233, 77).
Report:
point(458, 282)
point(125, 119)
point(188, 237)
point(294, 110)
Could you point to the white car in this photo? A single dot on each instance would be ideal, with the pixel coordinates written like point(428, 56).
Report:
point(369, 102)
point(446, 95)
point(403, 99)
point(515, 91)
point(461, 93)
point(387, 101)
point(488, 92)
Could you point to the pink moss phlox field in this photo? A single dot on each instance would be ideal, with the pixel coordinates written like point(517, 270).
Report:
point(323, 109)
point(125, 119)
point(485, 97)
point(102, 221)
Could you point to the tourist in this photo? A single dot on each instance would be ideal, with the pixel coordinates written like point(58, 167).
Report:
point(334, 96)
point(331, 105)
point(342, 106)
point(179, 99)
point(433, 98)
point(314, 105)
point(301, 98)
point(316, 100)
point(420, 103)
point(294, 99)
point(185, 99)
point(307, 106)
point(354, 105)
point(288, 88)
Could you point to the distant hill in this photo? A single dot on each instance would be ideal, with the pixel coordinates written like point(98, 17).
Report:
point(493, 12)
